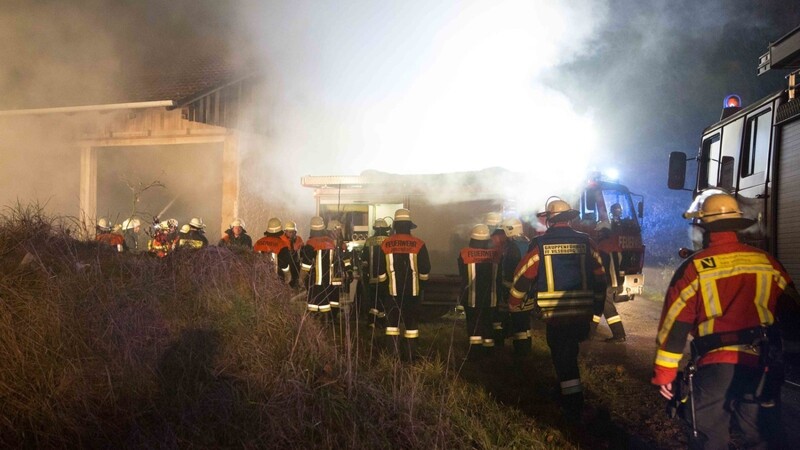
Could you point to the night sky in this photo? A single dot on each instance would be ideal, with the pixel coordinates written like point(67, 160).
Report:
point(550, 89)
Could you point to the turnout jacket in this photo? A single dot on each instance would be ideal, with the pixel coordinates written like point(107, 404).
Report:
point(371, 257)
point(274, 245)
point(726, 287)
point(406, 264)
point(112, 239)
point(478, 270)
point(564, 274)
point(321, 259)
point(244, 241)
point(193, 239)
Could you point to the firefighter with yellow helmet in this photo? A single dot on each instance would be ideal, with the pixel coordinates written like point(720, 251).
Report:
point(406, 267)
point(740, 305)
point(236, 237)
point(477, 267)
point(195, 236)
point(320, 266)
point(295, 243)
point(516, 323)
point(564, 275)
point(375, 290)
point(274, 245)
point(106, 236)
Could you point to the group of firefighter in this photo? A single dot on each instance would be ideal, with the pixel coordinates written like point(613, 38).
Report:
point(737, 302)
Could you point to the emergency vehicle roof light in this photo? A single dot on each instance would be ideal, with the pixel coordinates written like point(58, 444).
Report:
point(732, 101)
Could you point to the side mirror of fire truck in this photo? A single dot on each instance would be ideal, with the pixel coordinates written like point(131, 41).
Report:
point(684, 252)
point(677, 170)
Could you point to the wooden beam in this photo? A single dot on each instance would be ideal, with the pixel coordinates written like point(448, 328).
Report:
point(230, 180)
point(88, 187)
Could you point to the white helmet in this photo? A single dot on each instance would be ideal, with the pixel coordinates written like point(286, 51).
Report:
point(197, 222)
point(103, 225)
point(512, 227)
point(274, 225)
point(403, 215)
point(317, 223)
point(290, 226)
point(480, 232)
point(380, 223)
point(493, 219)
point(129, 224)
point(237, 222)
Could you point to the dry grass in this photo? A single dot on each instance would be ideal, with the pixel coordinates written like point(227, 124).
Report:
point(205, 349)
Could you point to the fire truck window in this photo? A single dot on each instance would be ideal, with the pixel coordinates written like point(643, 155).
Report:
point(726, 173)
point(709, 162)
point(756, 148)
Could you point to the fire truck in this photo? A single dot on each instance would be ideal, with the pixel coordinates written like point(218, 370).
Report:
point(447, 206)
point(753, 152)
point(609, 215)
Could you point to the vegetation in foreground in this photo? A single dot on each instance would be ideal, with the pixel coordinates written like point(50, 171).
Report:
point(206, 349)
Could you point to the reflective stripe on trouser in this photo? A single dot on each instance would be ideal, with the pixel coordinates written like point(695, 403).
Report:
point(571, 386)
point(402, 312)
point(564, 340)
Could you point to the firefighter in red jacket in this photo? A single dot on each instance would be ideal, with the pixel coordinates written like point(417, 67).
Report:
point(276, 247)
point(165, 238)
point(518, 321)
point(494, 220)
point(375, 290)
point(104, 235)
point(406, 267)
point(563, 272)
point(738, 303)
point(295, 243)
point(319, 265)
point(477, 266)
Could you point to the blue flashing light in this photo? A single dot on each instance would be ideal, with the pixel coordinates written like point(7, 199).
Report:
point(732, 101)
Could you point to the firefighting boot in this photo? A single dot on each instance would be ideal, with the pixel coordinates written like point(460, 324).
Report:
point(392, 342)
point(499, 335)
point(475, 350)
point(522, 344)
point(410, 350)
point(572, 406)
point(617, 331)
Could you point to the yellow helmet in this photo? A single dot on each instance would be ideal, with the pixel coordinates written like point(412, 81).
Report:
point(289, 226)
point(334, 225)
point(103, 225)
point(493, 219)
point(557, 210)
point(185, 228)
point(718, 211)
point(197, 222)
point(480, 232)
point(403, 215)
point(274, 225)
point(317, 223)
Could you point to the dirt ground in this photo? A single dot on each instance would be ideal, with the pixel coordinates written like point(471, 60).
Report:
point(623, 409)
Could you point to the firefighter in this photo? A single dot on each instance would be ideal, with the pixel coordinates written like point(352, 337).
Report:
point(376, 291)
point(343, 269)
point(406, 268)
point(295, 243)
point(318, 263)
point(564, 274)
point(165, 238)
point(494, 220)
point(737, 302)
point(518, 322)
point(195, 236)
point(131, 229)
point(104, 235)
point(274, 245)
point(236, 236)
point(477, 266)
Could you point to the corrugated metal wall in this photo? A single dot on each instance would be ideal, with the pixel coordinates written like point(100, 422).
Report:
point(788, 189)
